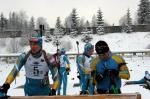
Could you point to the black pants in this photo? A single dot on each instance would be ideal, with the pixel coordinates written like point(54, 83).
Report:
point(101, 91)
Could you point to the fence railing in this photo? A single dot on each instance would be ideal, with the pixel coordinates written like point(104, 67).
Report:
point(10, 58)
point(103, 96)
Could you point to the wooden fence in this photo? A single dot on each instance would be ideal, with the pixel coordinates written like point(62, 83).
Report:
point(103, 96)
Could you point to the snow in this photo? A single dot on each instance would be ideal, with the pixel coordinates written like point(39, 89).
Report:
point(117, 42)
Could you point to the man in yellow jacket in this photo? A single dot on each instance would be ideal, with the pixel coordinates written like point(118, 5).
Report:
point(108, 69)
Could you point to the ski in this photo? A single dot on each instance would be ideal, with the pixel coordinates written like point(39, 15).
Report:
point(21, 86)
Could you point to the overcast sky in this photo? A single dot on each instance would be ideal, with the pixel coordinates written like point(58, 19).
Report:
point(112, 10)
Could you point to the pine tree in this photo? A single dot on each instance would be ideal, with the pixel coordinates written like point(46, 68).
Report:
point(87, 26)
point(144, 12)
point(74, 22)
point(3, 22)
point(31, 25)
point(100, 22)
point(82, 24)
point(93, 23)
point(129, 22)
point(58, 28)
point(86, 33)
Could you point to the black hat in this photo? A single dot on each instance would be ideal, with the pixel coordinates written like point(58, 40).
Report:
point(101, 47)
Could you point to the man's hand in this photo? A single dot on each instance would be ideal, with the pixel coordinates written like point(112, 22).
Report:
point(68, 70)
point(99, 77)
point(128, 83)
point(112, 72)
point(4, 88)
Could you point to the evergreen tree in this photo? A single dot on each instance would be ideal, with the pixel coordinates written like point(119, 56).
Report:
point(74, 22)
point(67, 23)
point(100, 22)
point(31, 25)
point(144, 12)
point(86, 33)
point(82, 24)
point(87, 26)
point(3, 22)
point(129, 22)
point(14, 21)
point(58, 28)
point(93, 23)
point(126, 22)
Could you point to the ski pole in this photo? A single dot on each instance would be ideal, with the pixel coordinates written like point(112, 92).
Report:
point(78, 75)
point(77, 46)
point(57, 45)
point(57, 55)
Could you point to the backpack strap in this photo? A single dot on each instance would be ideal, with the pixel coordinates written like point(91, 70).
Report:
point(45, 57)
point(43, 52)
point(83, 59)
point(26, 56)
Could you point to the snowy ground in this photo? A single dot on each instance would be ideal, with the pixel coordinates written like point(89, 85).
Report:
point(137, 66)
point(116, 41)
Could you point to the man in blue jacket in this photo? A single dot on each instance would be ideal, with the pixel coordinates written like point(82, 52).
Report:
point(108, 69)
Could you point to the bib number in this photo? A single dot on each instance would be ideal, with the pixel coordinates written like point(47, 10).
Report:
point(35, 71)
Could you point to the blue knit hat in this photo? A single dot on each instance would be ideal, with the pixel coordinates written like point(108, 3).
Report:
point(37, 40)
point(88, 47)
point(147, 75)
point(63, 50)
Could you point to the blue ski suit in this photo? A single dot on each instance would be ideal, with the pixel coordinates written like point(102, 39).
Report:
point(145, 81)
point(36, 72)
point(64, 64)
point(84, 69)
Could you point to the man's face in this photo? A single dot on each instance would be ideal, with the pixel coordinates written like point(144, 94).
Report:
point(90, 52)
point(104, 56)
point(34, 47)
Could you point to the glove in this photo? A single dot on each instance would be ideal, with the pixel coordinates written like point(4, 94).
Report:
point(67, 70)
point(112, 72)
point(128, 82)
point(99, 77)
point(53, 92)
point(78, 75)
point(4, 88)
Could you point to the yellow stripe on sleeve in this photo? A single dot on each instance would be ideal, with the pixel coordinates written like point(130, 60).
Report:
point(9, 79)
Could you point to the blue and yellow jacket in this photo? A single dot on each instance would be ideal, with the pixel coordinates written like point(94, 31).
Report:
point(21, 62)
point(114, 62)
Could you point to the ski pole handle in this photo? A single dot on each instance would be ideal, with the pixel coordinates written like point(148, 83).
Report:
point(77, 42)
point(77, 46)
